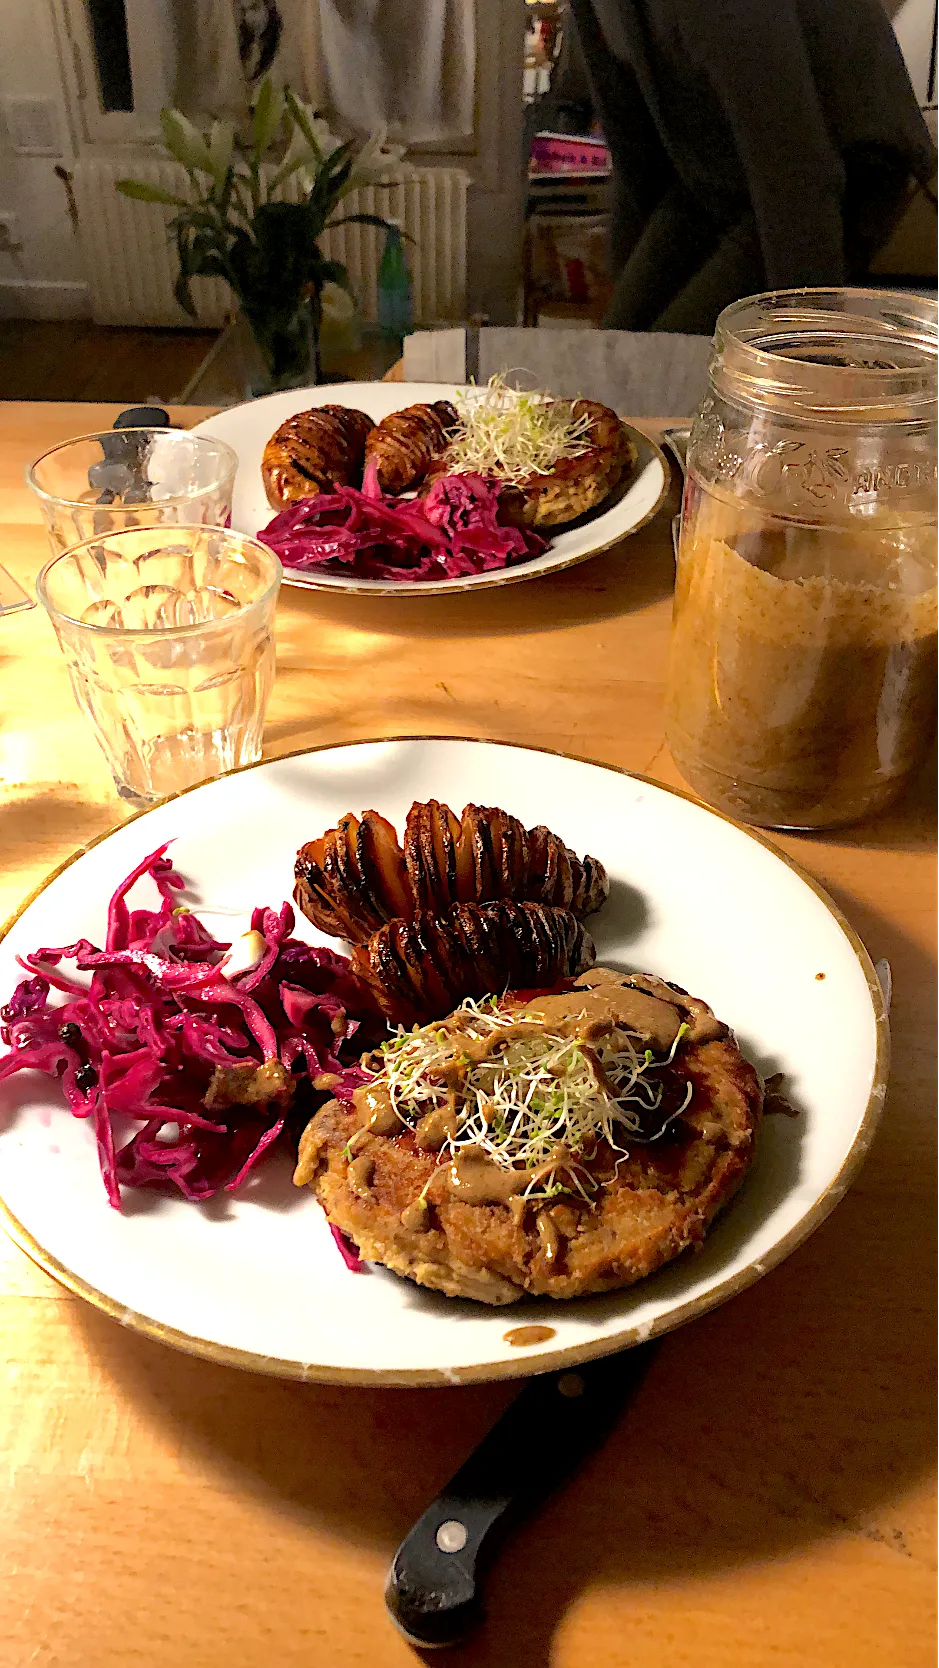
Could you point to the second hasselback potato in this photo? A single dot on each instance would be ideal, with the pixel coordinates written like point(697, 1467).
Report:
point(422, 969)
point(405, 444)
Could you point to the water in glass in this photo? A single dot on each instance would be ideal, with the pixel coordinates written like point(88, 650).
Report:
point(170, 650)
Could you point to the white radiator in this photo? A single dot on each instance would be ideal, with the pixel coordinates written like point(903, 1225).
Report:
point(131, 264)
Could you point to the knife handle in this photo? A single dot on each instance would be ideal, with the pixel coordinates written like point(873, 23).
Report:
point(143, 417)
point(432, 1591)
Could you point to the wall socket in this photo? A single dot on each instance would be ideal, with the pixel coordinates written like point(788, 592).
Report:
point(33, 126)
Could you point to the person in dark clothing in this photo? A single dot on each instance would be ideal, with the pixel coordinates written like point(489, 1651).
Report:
point(756, 144)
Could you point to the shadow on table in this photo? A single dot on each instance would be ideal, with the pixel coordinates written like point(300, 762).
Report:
point(909, 825)
point(800, 1410)
point(636, 573)
point(57, 816)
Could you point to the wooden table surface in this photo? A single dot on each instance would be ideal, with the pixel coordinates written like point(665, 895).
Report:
point(765, 1503)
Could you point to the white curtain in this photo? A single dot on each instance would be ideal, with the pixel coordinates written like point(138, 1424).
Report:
point(185, 53)
point(406, 64)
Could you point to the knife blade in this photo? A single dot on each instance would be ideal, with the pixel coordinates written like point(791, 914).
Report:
point(885, 979)
point(12, 595)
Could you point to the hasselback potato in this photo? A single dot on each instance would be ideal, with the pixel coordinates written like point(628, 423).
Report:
point(312, 452)
point(405, 444)
point(421, 969)
point(356, 876)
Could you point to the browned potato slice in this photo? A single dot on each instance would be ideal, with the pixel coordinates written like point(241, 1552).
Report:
point(355, 877)
point(383, 868)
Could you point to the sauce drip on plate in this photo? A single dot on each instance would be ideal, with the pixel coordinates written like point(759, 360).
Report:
point(520, 1336)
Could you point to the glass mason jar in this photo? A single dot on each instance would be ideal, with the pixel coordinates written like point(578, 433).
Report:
point(801, 688)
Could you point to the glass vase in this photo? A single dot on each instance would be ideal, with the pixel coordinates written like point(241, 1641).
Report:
point(279, 350)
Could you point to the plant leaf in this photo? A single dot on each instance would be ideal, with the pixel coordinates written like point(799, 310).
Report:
point(221, 145)
point(144, 193)
point(181, 288)
point(268, 113)
point(222, 195)
point(199, 216)
point(184, 141)
point(328, 184)
point(305, 118)
point(335, 272)
point(369, 220)
point(183, 295)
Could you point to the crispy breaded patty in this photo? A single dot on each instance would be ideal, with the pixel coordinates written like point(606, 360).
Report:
point(576, 485)
point(573, 485)
point(640, 1210)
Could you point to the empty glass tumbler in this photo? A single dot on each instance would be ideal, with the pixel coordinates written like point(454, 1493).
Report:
point(168, 638)
point(100, 483)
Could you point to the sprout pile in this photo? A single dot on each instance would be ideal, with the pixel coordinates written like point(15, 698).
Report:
point(530, 1097)
point(512, 435)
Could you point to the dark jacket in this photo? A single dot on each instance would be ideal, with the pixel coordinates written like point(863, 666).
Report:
point(766, 105)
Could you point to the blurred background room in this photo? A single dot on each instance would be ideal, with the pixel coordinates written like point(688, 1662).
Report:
point(562, 163)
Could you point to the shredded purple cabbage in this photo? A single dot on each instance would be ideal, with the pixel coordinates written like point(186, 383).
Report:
point(347, 1251)
point(144, 1039)
point(453, 531)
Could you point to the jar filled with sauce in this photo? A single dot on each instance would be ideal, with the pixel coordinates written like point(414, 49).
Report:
point(801, 689)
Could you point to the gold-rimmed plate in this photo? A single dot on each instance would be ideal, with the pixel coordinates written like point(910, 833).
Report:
point(254, 1279)
point(247, 429)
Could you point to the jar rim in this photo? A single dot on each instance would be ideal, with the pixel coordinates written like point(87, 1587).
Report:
point(848, 352)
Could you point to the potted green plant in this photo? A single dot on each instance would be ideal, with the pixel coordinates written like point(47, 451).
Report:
point(235, 224)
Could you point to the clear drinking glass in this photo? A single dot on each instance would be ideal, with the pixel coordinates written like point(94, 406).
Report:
point(168, 638)
point(99, 483)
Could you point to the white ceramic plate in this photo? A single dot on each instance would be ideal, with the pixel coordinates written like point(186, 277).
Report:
point(254, 1278)
point(248, 428)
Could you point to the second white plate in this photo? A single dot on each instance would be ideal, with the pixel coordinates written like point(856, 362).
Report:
point(247, 429)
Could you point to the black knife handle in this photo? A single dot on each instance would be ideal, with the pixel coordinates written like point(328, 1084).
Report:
point(432, 1592)
point(143, 417)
